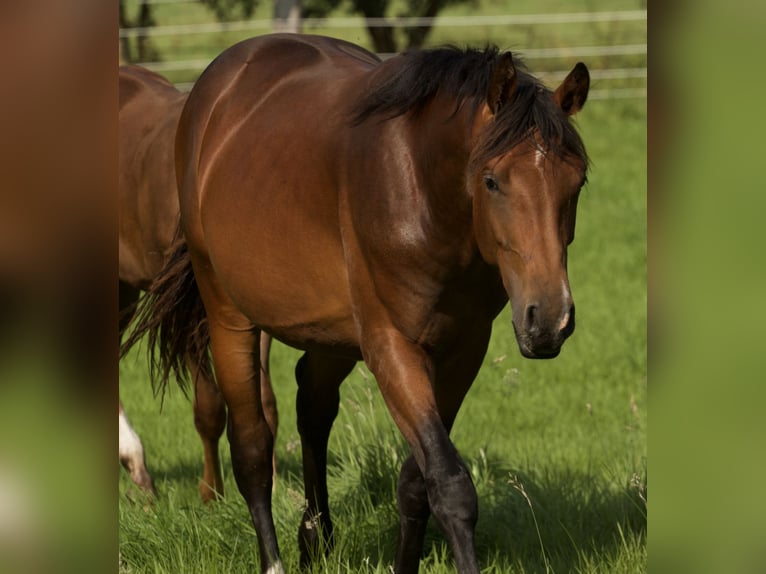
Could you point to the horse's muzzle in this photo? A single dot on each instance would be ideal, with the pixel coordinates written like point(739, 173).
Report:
point(541, 338)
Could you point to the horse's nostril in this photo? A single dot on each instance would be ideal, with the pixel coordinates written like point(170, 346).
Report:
point(530, 316)
point(536, 324)
point(567, 322)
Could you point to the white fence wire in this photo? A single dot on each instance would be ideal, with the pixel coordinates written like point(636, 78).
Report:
point(359, 22)
point(609, 51)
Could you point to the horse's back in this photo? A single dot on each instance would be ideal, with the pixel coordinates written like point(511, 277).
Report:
point(259, 144)
point(148, 201)
point(138, 83)
point(285, 75)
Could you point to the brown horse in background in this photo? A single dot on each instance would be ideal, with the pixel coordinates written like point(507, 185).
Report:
point(364, 210)
point(148, 220)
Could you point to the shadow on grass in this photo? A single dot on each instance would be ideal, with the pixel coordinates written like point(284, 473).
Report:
point(186, 474)
point(560, 521)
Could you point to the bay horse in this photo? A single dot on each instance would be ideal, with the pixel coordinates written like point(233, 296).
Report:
point(148, 219)
point(365, 210)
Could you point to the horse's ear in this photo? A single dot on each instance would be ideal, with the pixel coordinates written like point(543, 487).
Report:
point(573, 91)
point(503, 82)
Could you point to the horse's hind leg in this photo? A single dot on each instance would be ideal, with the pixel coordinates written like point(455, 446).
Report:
point(412, 499)
point(319, 378)
point(131, 451)
point(235, 347)
point(268, 400)
point(210, 421)
point(128, 296)
point(132, 455)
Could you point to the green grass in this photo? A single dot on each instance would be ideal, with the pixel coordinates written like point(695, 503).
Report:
point(557, 449)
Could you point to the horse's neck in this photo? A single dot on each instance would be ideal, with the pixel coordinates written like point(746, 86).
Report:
point(441, 147)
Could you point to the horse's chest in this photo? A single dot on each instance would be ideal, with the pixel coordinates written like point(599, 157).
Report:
point(436, 323)
point(440, 331)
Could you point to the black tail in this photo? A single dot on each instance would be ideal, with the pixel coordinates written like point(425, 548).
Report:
point(172, 316)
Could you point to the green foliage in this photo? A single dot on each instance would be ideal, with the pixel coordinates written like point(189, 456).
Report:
point(231, 9)
point(556, 449)
point(385, 39)
point(318, 8)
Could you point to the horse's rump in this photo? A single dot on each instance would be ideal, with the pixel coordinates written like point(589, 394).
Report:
point(148, 201)
point(259, 158)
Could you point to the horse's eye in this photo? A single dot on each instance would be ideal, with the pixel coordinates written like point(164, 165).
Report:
point(491, 184)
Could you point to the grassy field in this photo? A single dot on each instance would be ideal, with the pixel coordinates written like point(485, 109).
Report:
point(557, 449)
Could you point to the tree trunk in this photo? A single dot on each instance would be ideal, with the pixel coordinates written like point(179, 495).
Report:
point(145, 20)
point(383, 39)
point(416, 37)
point(125, 53)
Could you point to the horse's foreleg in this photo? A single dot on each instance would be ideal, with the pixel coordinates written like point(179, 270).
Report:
point(453, 376)
point(319, 378)
point(408, 380)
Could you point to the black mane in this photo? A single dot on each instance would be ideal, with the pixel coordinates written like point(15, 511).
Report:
point(465, 75)
point(421, 74)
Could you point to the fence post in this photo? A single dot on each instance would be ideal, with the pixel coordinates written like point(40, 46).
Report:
point(287, 16)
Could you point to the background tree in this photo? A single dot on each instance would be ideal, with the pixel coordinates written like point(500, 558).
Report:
point(287, 15)
point(387, 39)
point(384, 38)
point(226, 10)
point(144, 51)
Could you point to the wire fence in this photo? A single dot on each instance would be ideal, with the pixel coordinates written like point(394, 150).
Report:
point(413, 22)
point(621, 71)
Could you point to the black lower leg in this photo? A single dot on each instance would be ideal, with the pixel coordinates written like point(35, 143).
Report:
point(412, 499)
point(251, 465)
point(317, 404)
point(455, 507)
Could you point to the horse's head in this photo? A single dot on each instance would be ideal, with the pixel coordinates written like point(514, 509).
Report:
point(525, 176)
